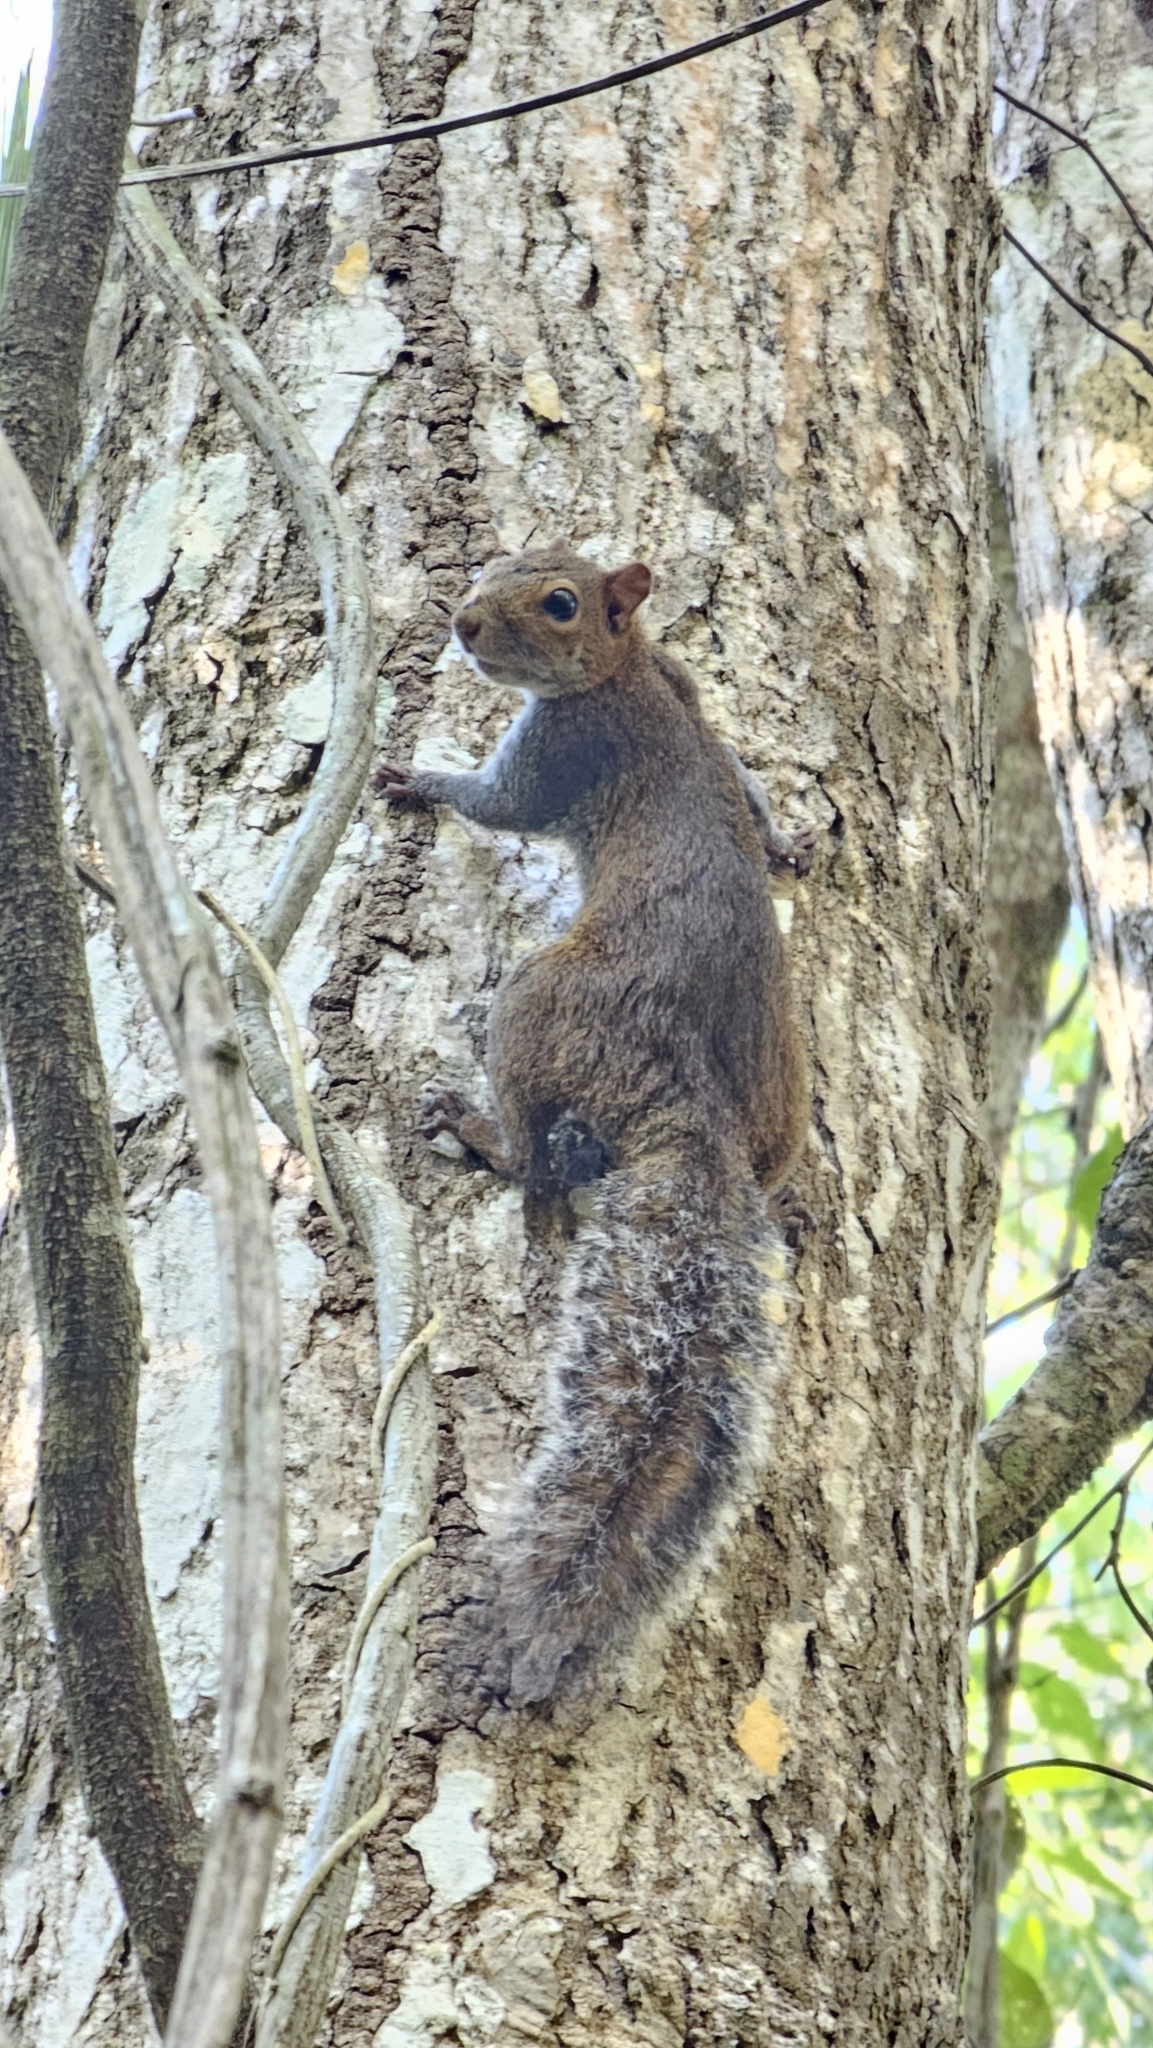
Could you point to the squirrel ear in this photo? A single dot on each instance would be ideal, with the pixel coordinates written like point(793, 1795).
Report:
point(625, 589)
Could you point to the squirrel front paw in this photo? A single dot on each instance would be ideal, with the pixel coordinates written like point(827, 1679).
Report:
point(399, 786)
point(445, 1112)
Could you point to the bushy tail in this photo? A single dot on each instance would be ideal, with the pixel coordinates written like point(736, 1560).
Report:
point(653, 1409)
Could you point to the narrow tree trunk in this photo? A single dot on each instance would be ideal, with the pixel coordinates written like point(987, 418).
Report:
point(87, 1307)
point(730, 322)
point(1070, 416)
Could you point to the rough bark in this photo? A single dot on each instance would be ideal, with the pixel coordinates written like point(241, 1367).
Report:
point(88, 1310)
point(730, 322)
point(379, 1661)
point(1075, 451)
point(173, 948)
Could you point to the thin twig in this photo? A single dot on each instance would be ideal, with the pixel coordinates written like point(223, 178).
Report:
point(1015, 1315)
point(1066, 1010)
point(344, 589)
point(391, 1388)
point(1084, 1116)
point(1002, 1669)
point(174, 949)
point(1113, 1564)
point(1078, 305)
point(93, 880)
point(300, 1095)
point(324, 1869)
point(1069, 1763)
point(172, 120)
point(1141, 1619)
point(1043, 1564)
point(451, 124)
point(1080, 142)
point(372, 1602)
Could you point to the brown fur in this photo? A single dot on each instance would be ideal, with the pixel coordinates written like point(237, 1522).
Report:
point(663, 1025)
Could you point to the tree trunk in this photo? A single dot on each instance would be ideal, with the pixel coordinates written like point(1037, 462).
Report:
point(729, 321)
point(1070, 423)
point(1071, 419)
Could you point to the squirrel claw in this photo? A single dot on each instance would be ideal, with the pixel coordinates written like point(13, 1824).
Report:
point(444, 1112)
point(397, 786)
point(793, 1219)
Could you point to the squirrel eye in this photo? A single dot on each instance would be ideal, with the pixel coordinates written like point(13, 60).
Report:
point(560, 604)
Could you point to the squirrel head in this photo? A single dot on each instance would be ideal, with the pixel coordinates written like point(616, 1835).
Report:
point(549, 621)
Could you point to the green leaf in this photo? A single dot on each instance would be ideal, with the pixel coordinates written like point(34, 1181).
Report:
point(1026, 2020)
point(1091, 1652)
point(1025, 1943)
point(1090, 1873)
point(1094, 1178)
point(1060, 1709)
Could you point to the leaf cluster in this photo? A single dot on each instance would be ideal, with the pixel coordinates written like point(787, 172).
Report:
point(1077, 1907)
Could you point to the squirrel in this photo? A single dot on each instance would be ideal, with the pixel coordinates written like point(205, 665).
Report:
point(660, 1029)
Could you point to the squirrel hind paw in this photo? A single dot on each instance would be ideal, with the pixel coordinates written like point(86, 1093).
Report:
point(545, 1672)
point(576, 1156)
point(791, 853)
point(794, 1221)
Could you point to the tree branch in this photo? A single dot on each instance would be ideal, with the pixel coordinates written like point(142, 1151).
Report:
point(1095, 1384)
point(87, 1306)
point(1042, 1564)
point(175, 955)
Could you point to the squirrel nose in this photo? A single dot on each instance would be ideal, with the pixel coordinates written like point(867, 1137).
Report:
point(466, 624)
